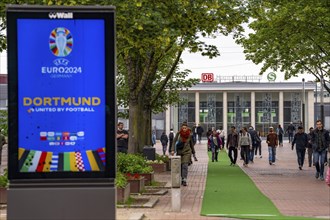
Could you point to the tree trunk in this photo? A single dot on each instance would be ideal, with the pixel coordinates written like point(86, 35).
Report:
point(139, 126)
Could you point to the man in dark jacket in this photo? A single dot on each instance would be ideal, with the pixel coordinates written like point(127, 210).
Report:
point(300, 140)
point(200, 131)
point(255, 141)
point(320, 142)
point(232, 142)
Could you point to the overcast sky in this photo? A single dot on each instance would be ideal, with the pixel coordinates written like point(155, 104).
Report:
point(231, 62)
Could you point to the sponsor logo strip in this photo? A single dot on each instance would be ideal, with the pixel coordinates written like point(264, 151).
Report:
point(102, 155)
point(84, 156)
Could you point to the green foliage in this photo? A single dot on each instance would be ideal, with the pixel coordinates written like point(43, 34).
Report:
point(163, 158)
point(132, 163)
point(4, 122)
point(121, 180)
point(4, 179)
point(290, 36)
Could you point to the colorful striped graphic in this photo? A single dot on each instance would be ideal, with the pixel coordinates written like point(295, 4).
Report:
point(39, 161)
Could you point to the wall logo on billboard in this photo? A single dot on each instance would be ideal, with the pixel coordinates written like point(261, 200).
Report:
point(60, 15)
point(60, 42)
point(61, 45)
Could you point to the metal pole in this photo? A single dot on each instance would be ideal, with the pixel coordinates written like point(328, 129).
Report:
point(322, 99)
point(303, 104)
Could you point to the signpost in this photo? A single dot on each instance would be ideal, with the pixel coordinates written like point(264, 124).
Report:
point(62, 112)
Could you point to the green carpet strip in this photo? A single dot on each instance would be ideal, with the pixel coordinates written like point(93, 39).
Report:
point(229, 192)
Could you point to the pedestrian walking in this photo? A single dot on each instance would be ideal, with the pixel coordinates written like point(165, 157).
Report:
point(164, 141)
point(290, 130)
point(200, 131)
point(258, 148)
point(320, 142)
point(222, 135)
point(208, 133)
point(183, 146)
point(245, 145)
point(310, 147)
point(122, 138)
point(2, 142)
point(194, 133)
point(255, 142)
point(215, 143)
point(280, 132)
point(272, 142)
point(232, 143)
point(170, 137)
point(300, 140)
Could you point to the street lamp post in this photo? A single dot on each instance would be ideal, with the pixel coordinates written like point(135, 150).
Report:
point(303, 104)
point(322, 99)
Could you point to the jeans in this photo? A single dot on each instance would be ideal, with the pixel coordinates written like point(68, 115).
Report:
point(319, 160)
point(184, 171)
point(300, 156)
point(310, 153)
point(230, 154)
point(251, 153)
point(272, 154)
point(245, 154)
point(215, 153)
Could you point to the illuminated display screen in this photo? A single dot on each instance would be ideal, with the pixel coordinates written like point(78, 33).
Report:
point(61, 95)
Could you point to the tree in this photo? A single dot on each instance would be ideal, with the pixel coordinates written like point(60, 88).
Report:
point(151, 36)
point(290, 36)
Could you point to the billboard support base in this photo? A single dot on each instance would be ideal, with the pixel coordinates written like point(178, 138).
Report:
point(31, 201)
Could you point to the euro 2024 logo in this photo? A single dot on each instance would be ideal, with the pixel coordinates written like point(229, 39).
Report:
point(61, 45)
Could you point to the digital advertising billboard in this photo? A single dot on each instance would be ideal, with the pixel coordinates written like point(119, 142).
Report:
point(62, 103)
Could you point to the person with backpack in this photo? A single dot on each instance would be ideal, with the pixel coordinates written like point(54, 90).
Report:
point(232, 142)
point(300, 140)
point(280, 132)
point(310, 147)
point(255, 142)
point(164, 141)
point(183, 146)
point(245, 145)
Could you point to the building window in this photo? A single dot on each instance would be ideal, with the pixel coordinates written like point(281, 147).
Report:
point(292, 109)
point(211, 110)
point(239, 110)
point(186, 111)
point(267, 111)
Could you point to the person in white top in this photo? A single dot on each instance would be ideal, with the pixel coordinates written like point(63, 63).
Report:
point(222, 135)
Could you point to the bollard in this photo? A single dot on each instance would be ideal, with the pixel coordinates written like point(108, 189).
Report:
point(176, 183)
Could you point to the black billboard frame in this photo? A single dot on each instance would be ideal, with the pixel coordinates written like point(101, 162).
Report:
point(107, 13)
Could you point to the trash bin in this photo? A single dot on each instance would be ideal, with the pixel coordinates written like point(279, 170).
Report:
point(149, 152)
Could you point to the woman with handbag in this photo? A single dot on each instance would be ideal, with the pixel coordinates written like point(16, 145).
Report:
point(183, 145)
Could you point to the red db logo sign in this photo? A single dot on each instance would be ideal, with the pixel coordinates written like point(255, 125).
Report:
point(207, 77)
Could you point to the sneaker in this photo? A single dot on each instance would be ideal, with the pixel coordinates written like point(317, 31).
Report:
point(184, 183)
point(300, 168)
point(321, 178)
point(195, 158)
point(231, 164)
point(325, 163)
point(270, 163)
point(260, 156)
point(317, 175)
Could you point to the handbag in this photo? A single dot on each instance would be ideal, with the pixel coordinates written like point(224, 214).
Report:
point(178, 144)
